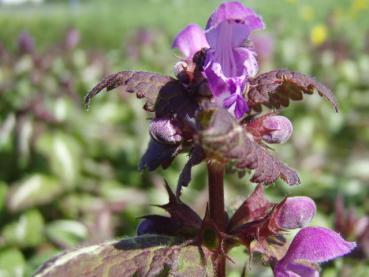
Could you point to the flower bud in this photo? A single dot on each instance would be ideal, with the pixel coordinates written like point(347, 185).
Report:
point(156, 224)
point(277, 129)
point(164, 131)
point(296, 212)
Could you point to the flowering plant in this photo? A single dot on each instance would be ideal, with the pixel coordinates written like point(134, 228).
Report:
point(213, 110)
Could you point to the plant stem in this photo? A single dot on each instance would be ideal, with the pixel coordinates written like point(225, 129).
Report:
point(216, 205)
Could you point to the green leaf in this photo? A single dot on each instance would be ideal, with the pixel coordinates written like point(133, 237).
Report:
point(12, 263)
point(67, 233)
point(26, 231)
point(35, 190)
point(63, 153)
point(139, 256)
point(3, 194)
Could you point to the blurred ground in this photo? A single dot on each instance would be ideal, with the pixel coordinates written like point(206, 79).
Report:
point(69, 176)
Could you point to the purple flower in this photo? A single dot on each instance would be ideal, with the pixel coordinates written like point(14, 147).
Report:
point(296, 212)
point(228, 63)
point(312, 245)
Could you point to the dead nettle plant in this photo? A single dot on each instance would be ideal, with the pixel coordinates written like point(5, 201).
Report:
point(212, 110)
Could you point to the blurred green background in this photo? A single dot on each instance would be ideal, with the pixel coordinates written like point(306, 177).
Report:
point(68, 177)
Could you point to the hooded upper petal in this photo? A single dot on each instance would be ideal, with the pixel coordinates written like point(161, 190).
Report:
point(312, 245)
point(231, 22)
point(235, 11)
point(190, 40)
point(227, 29)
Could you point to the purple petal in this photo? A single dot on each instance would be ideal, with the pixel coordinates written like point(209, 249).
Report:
point(227, 91)
point(233, 59)
point(190, 40)
point(227, 29)
point(312, 245)
point(303, 269)
point(216, 80)
point(296, 212)
point(235, 11)
point(236, 104)
point(231, 23)
point(248, 59)
point(230, 101)
point(241, 107)
point(318, 244)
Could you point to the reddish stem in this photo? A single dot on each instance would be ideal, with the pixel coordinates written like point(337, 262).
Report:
point(216, 205)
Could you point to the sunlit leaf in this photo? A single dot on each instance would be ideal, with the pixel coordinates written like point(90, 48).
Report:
point(66, 233)
point(141, 256)
point(12, 263)
point(3, 195)
point(63, 153)
point(26, 231)
point(276, 88)
point(35, 190)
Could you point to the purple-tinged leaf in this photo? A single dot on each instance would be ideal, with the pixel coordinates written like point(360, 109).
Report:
point(276, 88)
point(183, 221)
point(294, 212)
point(351, 226)
point(310, 246)
point(148, 255)
point(255, 207)
point(210, 235)
point(162, 94)
point(345, 221)
point(179, 211)
point(224, 139)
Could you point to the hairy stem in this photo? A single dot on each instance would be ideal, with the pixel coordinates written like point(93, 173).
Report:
point(216, 205)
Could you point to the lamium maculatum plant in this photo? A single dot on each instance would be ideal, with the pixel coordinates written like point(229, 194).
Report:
point(219, 111)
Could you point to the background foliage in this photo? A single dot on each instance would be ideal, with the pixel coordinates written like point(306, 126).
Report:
point(69, 177)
